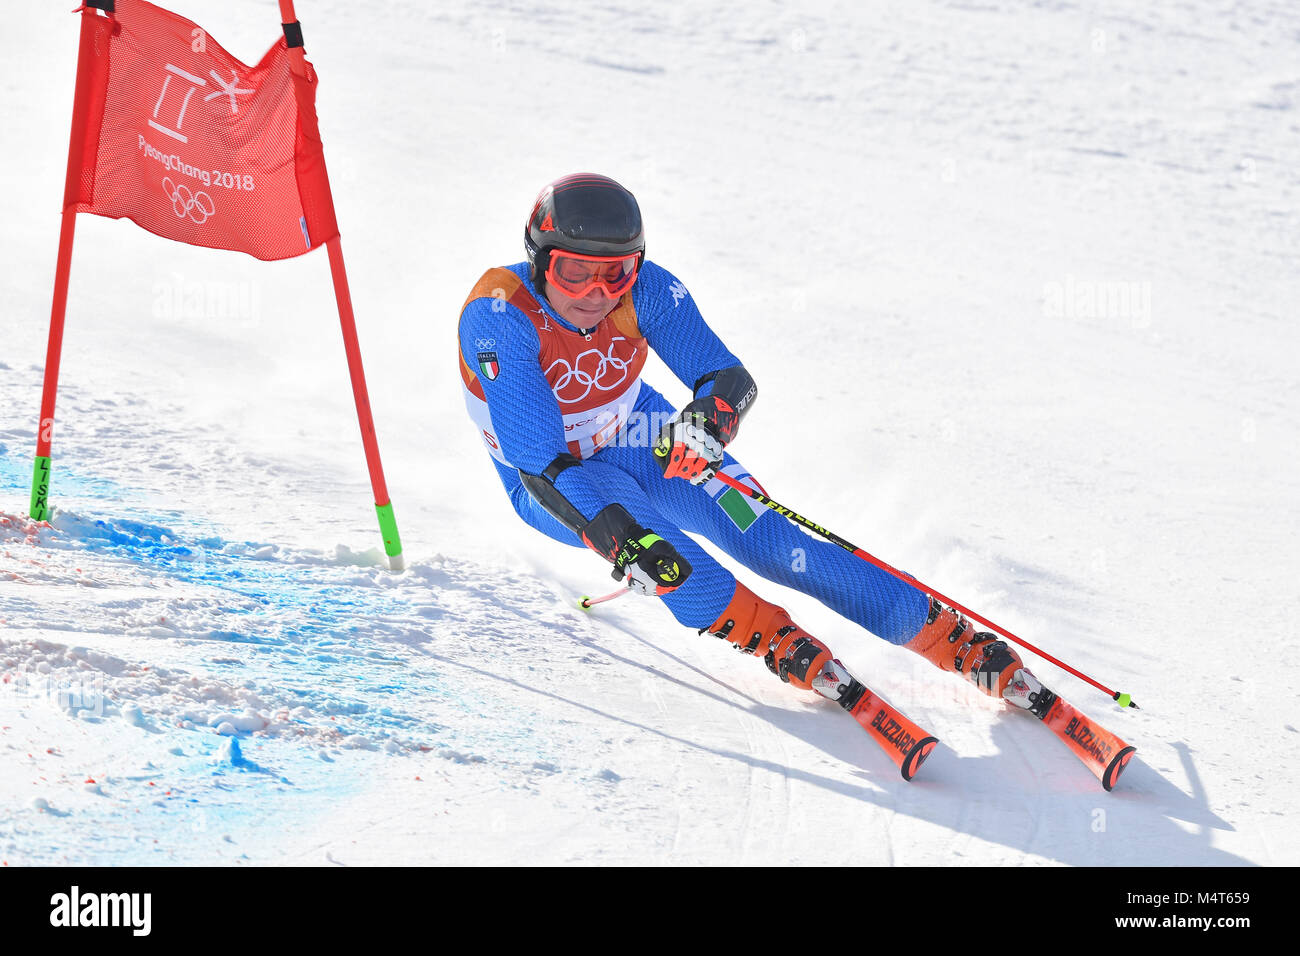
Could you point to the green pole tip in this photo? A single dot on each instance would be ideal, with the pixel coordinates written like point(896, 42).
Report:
point(40, 503)
point(388, 528)
point(1124, 700)
point(582, 602)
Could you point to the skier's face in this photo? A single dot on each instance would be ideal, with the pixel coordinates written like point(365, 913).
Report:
point(584, 312)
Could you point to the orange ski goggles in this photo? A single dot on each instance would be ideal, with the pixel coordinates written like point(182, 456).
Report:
point(575, 274)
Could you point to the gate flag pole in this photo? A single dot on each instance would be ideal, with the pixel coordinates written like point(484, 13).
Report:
point(307, 115)
point(82, 101)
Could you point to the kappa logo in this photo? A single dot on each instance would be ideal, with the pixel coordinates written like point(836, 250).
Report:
point(679, 292)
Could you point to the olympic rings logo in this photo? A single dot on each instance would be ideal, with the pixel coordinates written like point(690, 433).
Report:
point(586, 373)
point(198, 206)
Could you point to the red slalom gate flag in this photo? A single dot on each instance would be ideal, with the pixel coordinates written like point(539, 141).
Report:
point(174, 133)
point(171, 131)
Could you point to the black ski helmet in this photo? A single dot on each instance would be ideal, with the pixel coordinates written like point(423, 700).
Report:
point(585, 213)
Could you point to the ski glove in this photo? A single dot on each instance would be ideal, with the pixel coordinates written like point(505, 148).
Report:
point(650, 564)
point(690, 444)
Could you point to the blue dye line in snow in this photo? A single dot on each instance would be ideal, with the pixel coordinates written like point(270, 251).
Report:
point(69, 481)
point(316, 607)
point(221, 801)
point(304, 628)
point(310, 622)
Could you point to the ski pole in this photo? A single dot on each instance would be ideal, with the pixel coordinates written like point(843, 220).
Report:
point(1124, 700)
point(586, 602)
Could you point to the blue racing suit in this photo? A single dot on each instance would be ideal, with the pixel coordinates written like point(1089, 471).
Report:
point(537, 391)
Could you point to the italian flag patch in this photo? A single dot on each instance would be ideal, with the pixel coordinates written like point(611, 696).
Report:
point(741, 509)
point(488, 366)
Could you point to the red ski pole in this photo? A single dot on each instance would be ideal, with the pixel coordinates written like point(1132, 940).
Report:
point(1124, 700)
point(586, 602)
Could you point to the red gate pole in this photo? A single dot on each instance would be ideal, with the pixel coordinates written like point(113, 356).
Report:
point(40, 501)
point(40, 504)
point(383, 507)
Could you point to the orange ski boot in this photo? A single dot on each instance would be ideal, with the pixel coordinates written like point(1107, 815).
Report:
point(951, 643)
point(759, 627)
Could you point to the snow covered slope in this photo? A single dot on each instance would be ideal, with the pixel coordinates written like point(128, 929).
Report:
point(1023, 277)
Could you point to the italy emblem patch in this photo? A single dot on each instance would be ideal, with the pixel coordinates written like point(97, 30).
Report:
point(488, 366)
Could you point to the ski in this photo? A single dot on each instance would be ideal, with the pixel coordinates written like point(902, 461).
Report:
point(1105, 754)
point(905, 742)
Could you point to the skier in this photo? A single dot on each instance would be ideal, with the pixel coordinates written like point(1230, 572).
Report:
point(551, 355)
